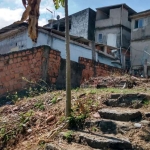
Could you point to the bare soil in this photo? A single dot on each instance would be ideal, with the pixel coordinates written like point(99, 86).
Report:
point(27, 124)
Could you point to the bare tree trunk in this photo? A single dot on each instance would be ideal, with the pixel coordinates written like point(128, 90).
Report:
point(68, 70)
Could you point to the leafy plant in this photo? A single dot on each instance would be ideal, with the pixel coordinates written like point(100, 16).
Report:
point(41, 144)
point(54, 100)
point(62, 118)
point(25, 117)
point(12, 97)
point(92, 91)
point(146, 102)
point(39, 105)
point(68, 136)
point(89, 102)
point(2, 131)
point(77, 89)
point(94, 129)
point(77, 122)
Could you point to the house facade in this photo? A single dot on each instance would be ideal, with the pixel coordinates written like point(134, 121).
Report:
point(140, 43)
point(15, 38)
point(82, 24)
point(113, 27)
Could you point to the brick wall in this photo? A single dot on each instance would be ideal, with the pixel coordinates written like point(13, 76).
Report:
point(100, 69)
point(46, 64)
point(17, 65)
point(54, 66)
point(31, 64)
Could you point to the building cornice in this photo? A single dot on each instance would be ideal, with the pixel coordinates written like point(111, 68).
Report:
point(114, 26)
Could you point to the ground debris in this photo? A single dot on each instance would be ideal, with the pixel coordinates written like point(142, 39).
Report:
point(125, 81)
point(31, 122)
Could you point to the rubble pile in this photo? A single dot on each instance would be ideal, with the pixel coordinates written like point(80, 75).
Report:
point(115, 81)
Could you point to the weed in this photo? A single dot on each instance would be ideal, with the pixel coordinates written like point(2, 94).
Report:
point(13, 97)
point(25, 117)
point(94, 129)
point(92, 92)
point(146, 102)
point(62, 119)
point(89, 102)
point(77, 89)
point(77, 122)
point(68, 136)
point(39, 105)
point(2, 131)
point(54, 100)
point(41, 144)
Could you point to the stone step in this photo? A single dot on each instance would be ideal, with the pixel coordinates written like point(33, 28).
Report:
point(115, 96)
point(120, 102)
point(120, 114)
point(67, 146)
point(130, 96)
point(126, 100)
point(107, 126)
point(101, 141)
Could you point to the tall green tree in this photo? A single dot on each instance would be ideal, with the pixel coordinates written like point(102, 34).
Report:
point(64, 3)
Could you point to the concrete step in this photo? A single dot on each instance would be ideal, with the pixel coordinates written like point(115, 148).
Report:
point(67, 146)
point(115, 96)
point(107, 126)
point(101, 141)
point(126, 100)
point(120, 114)
point(120, 102)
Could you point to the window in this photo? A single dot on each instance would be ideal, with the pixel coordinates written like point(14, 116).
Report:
point(138, 23)
point(100, 38)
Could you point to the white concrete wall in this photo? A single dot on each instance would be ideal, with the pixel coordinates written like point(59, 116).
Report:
point(58, 43)
point(107, 61)
point(55, 43)
point(76, 51)
point(14, 43)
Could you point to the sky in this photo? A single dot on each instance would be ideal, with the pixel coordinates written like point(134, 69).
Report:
point(11, 10)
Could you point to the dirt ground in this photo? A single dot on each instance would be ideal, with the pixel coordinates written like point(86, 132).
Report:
point(27, 124)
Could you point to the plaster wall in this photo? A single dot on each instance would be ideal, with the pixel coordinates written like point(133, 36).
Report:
point(58, 43)
point(125, 19)
point(141, 33)
point(101, 15)
point(138, 55)
point(105, 32)
point(15, 42)
point(114, 19)
point(79, 24)
point(107, 61)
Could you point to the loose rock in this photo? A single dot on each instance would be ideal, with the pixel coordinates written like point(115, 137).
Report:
point(50, 119)
point(137, 125)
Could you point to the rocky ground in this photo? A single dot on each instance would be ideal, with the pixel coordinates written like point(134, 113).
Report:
point(109, 118)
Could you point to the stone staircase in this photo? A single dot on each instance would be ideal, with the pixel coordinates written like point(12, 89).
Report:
point(121, 115)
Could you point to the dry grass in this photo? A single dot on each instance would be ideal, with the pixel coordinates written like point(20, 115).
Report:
point(24, 125)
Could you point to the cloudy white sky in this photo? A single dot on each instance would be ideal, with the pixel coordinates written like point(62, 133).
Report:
point(11, 10)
